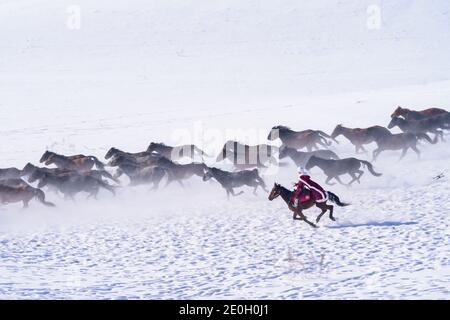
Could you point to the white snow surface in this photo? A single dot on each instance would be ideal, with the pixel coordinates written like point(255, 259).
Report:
point(191, 71)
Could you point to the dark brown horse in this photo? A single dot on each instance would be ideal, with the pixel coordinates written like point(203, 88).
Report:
point(245, 156)
point(179, 172)
point(230, 180)
point(176, 153)
point(286, 195)
point(401, 141)
point(77, 162)
point(335, 168)
point(359, 137)
point(309, 139)
point(417, 115)
point(22, 193)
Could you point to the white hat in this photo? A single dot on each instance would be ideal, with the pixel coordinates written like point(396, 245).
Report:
point(302, 170)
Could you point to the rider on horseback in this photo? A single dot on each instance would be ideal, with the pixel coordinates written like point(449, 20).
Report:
point(305, 188)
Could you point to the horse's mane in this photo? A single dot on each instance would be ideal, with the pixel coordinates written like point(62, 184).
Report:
point(157, 143)
point(164, 160)
point(282, 127)
point(218, 170)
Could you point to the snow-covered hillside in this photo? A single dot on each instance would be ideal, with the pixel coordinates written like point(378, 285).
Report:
point(177, 71)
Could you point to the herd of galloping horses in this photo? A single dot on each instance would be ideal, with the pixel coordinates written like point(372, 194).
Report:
point(86, 173)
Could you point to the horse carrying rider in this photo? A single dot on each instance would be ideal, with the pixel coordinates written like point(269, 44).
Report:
point(305, 188)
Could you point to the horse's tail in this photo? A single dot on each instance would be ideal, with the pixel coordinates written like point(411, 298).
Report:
point(326, 135)
point(100, 165)
point(424, 136)
point(40, 195)
point(335, 199)
point(370, 167)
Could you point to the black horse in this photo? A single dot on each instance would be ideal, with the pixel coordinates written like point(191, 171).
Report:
point(433, 125)
point(230, 180)
point(301, 139)
point(113, 152)
point(179, 172)
point(301, 158)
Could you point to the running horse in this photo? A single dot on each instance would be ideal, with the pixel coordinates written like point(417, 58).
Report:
point(309, 139)
point(335, 168)
point(176, 153)
point(433, 125)
point(417, 115)
point(77, 162)
point(360, 136)
point(286, 195)
point(401, 141)
point(16, 191)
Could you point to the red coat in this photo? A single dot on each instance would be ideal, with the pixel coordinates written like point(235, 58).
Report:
point(319, 194)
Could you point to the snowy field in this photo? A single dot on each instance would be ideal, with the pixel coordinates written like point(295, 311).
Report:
point(127, 73)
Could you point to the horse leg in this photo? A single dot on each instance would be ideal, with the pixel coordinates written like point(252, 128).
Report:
point(376, 153)
point(360, 175)
point(169, 181)
point(181, 183)
point(416, 151)
point(403, 153)
point(328, 181)
point(331, 209)
point(236, 194)
point(339, 180)
point(25, 203)
point(93, 193)
point(262, 184)
point(254, 190)
point(323, 208)
point(156, 184)
point(363, 149)
point(354, 178)
point(303, 217)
